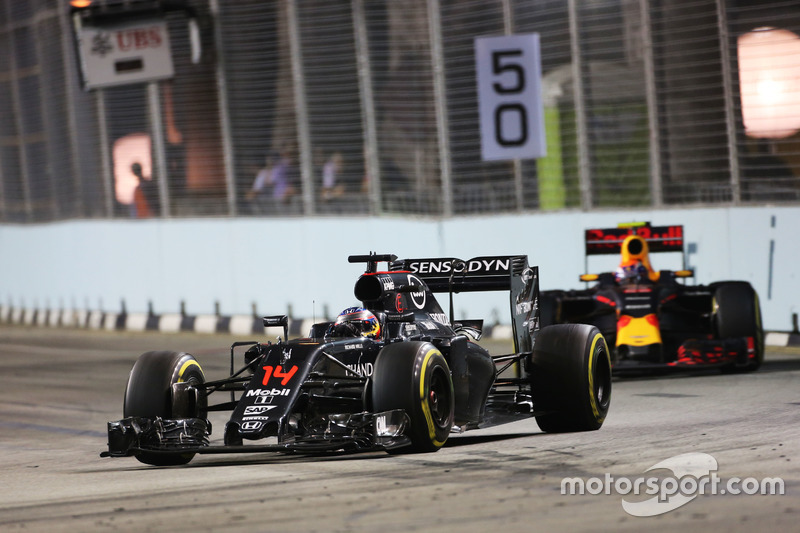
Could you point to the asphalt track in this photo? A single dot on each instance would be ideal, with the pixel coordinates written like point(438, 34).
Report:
point(59, 387)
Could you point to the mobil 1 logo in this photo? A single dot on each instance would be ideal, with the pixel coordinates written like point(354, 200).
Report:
point(509, 76)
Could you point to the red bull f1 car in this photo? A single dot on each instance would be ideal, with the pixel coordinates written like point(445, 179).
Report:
point(395, 373)
point(653, 319)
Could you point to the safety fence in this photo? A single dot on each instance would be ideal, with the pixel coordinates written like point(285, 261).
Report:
point(369, 107)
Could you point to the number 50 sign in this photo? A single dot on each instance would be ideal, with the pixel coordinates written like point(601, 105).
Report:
point(509, 74)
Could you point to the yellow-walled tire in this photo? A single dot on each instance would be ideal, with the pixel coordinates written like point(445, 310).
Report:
point(148, 394)
point(415, 377)
point(570, 376)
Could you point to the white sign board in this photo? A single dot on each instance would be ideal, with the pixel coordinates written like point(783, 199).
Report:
point(119, 54)
point(509, 75)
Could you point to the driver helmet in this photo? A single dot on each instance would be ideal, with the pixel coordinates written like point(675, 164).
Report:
point(355, 322)
point(633, 271)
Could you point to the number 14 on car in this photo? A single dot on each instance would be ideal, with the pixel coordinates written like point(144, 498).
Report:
point(509, 76)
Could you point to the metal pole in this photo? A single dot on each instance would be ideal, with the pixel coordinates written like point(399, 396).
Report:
point(24, 173)
point(370, 128)
point(584, 167)
point(730, 116)
point(653, 120)
point(105, 151)
point(69, 70)
point(440, 103)
point(301, 109)
point(508, 29)
point(224, 114)
point(159, 152)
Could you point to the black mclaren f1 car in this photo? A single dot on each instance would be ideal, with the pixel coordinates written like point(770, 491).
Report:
point(396, 373)
point(652, 319)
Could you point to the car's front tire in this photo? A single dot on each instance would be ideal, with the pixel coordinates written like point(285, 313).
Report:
point(148, 394)
point(414, 377)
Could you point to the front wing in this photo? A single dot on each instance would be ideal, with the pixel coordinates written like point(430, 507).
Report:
point(350, 432)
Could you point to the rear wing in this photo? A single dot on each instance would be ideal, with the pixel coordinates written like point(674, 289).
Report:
point(609, 240)
point(481, 274)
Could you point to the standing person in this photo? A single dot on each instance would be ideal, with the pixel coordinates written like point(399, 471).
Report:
point(258, 193)
point(330, 172)
point(283, 188)
point(144, 200)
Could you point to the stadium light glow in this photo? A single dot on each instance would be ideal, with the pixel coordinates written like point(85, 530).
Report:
point(769, 72)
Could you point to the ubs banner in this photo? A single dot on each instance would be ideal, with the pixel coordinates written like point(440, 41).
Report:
point(509, 75)
point(124, 53)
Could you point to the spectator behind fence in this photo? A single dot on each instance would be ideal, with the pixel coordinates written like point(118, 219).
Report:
point(260, 192)
point(145, 196)
point(331, 188)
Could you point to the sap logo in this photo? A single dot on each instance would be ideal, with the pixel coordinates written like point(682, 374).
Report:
point(252, 426)
point(252, 410)
point(361, 369)
point(257, 409)
point(268, 392)
point(441, 318)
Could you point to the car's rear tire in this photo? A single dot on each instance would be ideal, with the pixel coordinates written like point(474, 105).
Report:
point(570, 375)
point(415, 377)
point(736, 314)
point(149, 395)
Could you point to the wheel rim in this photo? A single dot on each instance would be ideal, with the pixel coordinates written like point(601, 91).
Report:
point(439, 399)
point(602, 380)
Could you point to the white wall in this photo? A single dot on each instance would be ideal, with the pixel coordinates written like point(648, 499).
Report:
point(303, 262)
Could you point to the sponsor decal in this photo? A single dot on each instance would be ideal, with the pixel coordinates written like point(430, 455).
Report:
point(251, 410)
point(417, 298)
point(252, 426)
point(441, 318)
point(398, 303)
point(268, 392)
point(352, 346)
point(473, 266)
point(428, 325)
point(260, 400)
point(255, 418)
point(279, 373)
point(361, 369)
point(387, 282)
point(527, 275)
point(524, 307)
point(659, 238)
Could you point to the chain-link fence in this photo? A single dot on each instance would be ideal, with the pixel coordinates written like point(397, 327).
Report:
point(311, 107)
